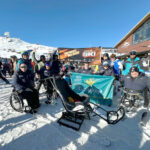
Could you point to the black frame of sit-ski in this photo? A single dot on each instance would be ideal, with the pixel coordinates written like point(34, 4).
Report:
point(77, 117)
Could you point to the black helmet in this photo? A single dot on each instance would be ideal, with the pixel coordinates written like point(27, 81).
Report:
point(106, 54)
point(41, 57)
point(105, 63)
point(133, 52)
point(134, 69)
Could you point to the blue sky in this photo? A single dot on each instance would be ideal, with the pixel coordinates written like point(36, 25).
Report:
point(71, 23)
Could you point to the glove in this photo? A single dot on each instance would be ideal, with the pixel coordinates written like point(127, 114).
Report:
point(28, 90)
point(19, 91)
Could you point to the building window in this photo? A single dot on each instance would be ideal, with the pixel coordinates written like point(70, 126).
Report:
point(142, 34)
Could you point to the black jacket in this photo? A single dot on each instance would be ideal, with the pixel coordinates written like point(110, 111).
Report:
point(139, 83)
point(23, 80)
point(106, 72)
point(55, 68)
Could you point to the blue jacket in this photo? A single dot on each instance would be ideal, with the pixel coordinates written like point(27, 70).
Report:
point(23, 80)
point(130, 63)
point(27, 62)
point(116, 67)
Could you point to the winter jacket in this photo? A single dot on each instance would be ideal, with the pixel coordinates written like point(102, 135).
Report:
point(23, 80)
point(47, 73)
point(139, 83)
point(0, 66)
point(86, 71)
point(130, 63)
point(106, 72)
point(55, 68)
point(26, 61)
point(117, 67)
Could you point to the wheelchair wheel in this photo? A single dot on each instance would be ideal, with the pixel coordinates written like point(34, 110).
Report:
point(16, 103)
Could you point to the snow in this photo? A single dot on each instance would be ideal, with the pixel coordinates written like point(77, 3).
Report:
point(14, 46)
point(21, 131)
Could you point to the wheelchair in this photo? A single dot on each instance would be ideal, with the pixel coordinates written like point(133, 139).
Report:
point(131, 99)
point(18, 104)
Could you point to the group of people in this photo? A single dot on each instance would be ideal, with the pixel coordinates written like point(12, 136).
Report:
point(25, 71)
point(129, 73)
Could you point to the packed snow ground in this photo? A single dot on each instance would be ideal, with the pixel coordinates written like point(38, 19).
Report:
point(21, 131)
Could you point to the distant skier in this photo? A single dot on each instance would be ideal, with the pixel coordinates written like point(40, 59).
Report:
point(1, 74)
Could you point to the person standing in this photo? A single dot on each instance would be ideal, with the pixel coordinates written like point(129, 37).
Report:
point(116, 65)
point(1, 74)
point(132, 61)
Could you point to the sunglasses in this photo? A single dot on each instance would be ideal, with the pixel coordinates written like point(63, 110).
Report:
point(23, 67)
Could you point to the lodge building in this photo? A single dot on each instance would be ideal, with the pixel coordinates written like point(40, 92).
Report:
point(138, 38)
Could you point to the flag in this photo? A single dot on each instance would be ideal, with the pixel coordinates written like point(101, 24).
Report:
point(99, 88)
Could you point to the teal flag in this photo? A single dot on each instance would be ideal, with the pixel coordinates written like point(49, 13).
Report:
point(99, 88)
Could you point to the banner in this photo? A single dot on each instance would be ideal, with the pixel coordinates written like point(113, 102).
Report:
point(92, 54)
point(99, 88)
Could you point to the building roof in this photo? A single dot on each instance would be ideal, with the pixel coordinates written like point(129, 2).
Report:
point(146, 17)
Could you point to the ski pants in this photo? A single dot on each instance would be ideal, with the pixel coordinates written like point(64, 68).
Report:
point(49, 88)
point(31, 97)
point(3, 78)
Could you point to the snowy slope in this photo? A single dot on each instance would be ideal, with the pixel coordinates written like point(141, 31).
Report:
point(13, 46)
point(20, 131)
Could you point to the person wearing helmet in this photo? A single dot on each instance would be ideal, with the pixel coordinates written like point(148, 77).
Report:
point(39, 67)
point(56, 65)
point(137, 81)
point(106, 70)
point(25, 59)
point(132, 61)
point(105, 59)
point(40, 63)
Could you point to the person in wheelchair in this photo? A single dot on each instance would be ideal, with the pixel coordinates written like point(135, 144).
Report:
point(137, 82)
point(23, 82)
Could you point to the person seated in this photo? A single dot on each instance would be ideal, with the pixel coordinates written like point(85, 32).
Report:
point(106, 70)
point(23, 82)
point(137, 81)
